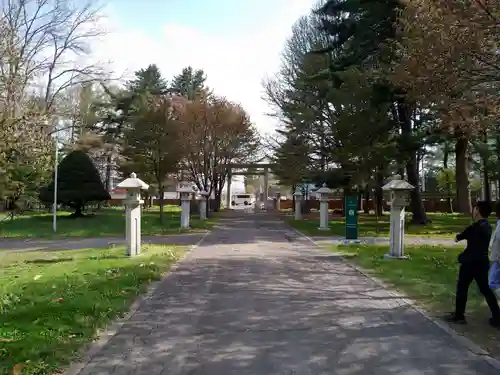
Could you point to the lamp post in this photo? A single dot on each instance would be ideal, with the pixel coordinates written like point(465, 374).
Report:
point(56, 164)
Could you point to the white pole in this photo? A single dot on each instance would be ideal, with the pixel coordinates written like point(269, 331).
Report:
point(54, 205)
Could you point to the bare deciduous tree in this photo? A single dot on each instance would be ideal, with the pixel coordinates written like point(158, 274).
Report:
point(216, 132)
point(44, 50)
point(47, 43)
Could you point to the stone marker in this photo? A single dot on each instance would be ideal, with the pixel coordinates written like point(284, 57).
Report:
point(203, 204)
point(186, 192)
point(398, 190)
point(133, 202)
point(298, 205)
point(323, 196)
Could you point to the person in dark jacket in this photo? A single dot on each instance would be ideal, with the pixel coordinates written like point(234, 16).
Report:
point(474, 265)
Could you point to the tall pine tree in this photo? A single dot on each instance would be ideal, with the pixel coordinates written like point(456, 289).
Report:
point(149, 81)
point(362, 32)
point(189, 83)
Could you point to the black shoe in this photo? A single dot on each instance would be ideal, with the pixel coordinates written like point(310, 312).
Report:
point(495, 322)
point(452, 318)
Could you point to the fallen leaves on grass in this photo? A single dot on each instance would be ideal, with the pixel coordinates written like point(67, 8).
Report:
point(45, 320)
point(17, 369)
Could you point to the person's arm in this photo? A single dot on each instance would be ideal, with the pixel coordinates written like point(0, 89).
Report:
point(495, 245)
point(465, 235)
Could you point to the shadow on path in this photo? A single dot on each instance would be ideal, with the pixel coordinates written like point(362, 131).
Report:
point(252, 300)
point(14, 244)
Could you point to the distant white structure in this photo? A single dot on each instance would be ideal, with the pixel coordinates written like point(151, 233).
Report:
point(244, 199)
point(173, 192)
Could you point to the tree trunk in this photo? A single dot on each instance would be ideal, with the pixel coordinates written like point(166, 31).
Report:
point(217, 202)
point(109, 160)
point(366, 207)
point(161, 192)
point(446, 155)
point(486, 171)
point(462, 176)
point(78, 211)
point(417, 206)
point(379, 195)
point(207, 206)
point(486, 183)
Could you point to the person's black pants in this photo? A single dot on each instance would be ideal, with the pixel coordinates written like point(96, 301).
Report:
point(479, 273)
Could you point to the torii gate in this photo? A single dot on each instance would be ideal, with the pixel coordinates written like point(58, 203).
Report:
point(265, 172)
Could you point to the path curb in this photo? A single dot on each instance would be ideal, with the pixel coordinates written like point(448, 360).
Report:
point(106, 334)
point(462, 340)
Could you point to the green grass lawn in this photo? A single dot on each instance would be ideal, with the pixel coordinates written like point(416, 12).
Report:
point(106, 222)
point(428, 278)
point(443, 225)
point(52, 304)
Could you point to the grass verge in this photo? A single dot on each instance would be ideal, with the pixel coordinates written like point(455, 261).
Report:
point(53, 303)
point(106, 222)
point(428, 279)
point(442, 225)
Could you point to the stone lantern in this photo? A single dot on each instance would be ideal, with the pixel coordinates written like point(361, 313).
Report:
point(133, 202)
point(186, 193)
point(323, 194)
point(298, 205)
point(398, 198)
point(203, 204)
point(278, 202)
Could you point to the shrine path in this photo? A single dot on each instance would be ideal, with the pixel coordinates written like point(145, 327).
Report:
point(256, 298)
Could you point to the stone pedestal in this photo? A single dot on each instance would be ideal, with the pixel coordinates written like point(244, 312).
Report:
point(323, 215)
point(398, 198)
point(396, 233)
point(133, 203)
point(278, 202)
point(203, 204)
point(323, 196)
point(298, 205)
point(185, 193)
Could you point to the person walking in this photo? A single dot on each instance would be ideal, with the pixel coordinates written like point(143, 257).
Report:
point(475, 264)
point(494, 279)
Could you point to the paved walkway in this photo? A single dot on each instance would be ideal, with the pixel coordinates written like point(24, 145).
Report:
point(409, 240)
point(256, 299)
point(16, 244)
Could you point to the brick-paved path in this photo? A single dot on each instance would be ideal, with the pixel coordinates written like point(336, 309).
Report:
point(254, 299)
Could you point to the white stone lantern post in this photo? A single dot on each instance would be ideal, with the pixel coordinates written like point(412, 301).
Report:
point(278, 202)
point(203, 204)
point(298, 205)
point(323, 196)
point(186, 193)
point(133, 202)
point(399, 191)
